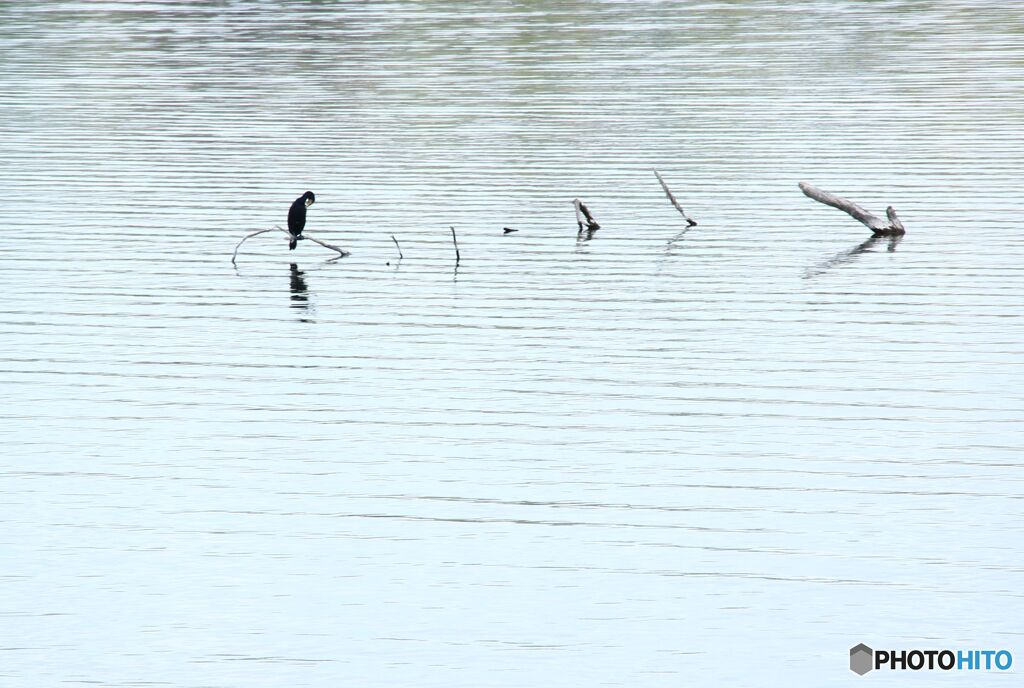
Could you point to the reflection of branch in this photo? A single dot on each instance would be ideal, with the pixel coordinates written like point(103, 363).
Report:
point(840, 258)
point(876, 224)
point(850, 255)
point(672, 242)
point(341, 252)
point(690, 222)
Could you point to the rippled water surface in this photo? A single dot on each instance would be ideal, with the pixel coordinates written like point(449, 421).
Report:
point(656, 457)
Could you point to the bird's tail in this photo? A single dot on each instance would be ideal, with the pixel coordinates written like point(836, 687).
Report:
point(292, 243)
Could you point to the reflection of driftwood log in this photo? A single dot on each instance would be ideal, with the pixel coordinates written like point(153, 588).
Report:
point(456, 242)
point(583, 213)
point(876, 224)
point(690, 222)
point(849, 255)
point(277, 228)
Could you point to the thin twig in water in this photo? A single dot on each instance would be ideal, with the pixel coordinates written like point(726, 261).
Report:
point(400, 256)
point(690, 222)
point(456, 242)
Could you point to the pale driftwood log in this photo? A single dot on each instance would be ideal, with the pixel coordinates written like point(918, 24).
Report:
point(234, 256)
point(690, 222)
point(583, 210)
point(870, 220)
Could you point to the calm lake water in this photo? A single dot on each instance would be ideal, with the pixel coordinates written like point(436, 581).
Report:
point(655, 458)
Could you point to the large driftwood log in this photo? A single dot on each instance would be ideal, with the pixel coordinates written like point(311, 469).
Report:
point(690, 222)
point(876, 224)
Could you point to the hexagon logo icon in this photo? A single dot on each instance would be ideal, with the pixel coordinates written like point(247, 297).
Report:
point(862, 659)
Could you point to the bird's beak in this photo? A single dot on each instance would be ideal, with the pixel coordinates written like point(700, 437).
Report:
point(309, 202)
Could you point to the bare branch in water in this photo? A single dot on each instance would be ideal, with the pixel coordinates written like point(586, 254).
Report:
point(400, 256)
point(456, 242)
point(690, 222)
point(234, 256)
point(341, 252)
point(582, 209)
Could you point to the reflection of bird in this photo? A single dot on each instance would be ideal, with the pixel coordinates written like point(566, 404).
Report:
point(297, 217)
point(300, 292)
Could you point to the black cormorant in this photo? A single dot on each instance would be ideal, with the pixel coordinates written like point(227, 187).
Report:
point(297, 217)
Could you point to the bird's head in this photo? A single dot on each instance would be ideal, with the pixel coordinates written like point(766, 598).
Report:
point(309, 197)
